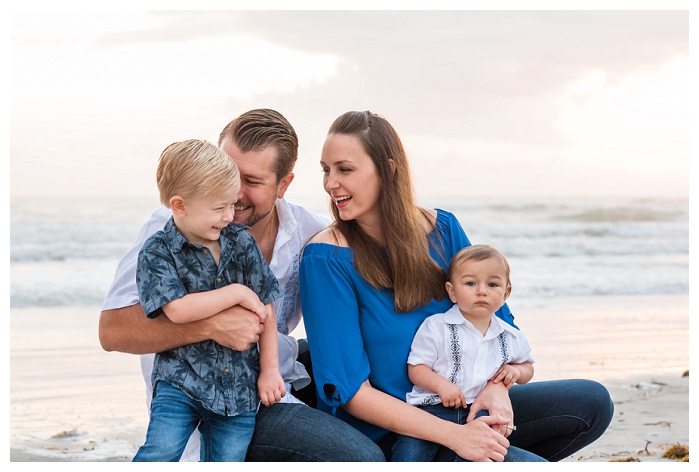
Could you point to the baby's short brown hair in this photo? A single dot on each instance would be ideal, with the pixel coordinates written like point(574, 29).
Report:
point(478, 252)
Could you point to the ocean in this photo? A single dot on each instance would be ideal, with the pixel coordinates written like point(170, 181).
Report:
point(63, 252)
point(600, 289)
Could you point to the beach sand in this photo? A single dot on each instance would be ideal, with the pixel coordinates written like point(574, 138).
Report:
point(71, 401)
point(650, 415)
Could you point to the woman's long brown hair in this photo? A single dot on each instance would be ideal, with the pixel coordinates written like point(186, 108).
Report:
point(406, 265)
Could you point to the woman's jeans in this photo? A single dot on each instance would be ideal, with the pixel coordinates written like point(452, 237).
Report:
point(554, 419)
point(409, 449)
point(173, 418)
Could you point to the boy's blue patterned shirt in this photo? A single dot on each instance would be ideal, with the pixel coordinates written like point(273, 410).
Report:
point(170, 267)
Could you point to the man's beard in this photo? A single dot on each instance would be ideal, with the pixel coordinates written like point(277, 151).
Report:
point(254, 217)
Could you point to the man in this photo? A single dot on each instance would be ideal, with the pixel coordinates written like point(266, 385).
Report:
point(265, 147)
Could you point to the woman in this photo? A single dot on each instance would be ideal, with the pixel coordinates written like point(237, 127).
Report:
point(367, 283)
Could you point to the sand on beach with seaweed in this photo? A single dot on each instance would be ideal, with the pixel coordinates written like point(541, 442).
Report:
point(650, 424)
point(71, 401)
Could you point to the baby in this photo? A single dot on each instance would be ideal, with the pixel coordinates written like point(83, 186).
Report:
point(455, 354)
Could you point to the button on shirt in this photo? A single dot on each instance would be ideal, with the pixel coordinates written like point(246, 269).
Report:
point(452, 347)
point(170, 267)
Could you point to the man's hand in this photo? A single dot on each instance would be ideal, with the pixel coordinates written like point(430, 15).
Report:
point(236, 327)
point(128, 330)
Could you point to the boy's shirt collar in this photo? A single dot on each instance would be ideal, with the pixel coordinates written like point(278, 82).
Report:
point(177, 239)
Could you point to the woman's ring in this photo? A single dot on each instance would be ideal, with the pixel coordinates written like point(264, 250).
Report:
point(512, 427)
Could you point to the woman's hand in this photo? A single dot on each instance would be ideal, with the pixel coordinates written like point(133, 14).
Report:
point(478, 440)
point(475, 441)
point(496, 400)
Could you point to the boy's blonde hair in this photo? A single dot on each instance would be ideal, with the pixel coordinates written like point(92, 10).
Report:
point(478, 252)
point(194, 169)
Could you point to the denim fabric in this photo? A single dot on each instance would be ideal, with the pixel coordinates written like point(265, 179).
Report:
point(174, 416)
point(409, 449)
point(293, 432)
point(554, 419)
point(557, 418)
point(170, 267)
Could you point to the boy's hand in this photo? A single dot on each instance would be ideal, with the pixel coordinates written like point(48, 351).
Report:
point(451, 395)
point(507, 374)
point(249, 299)
point(271, 386)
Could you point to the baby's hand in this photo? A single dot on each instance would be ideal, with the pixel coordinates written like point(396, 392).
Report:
point(249, 299)
point(271, 386)
point(451, 395)
point(508, 374)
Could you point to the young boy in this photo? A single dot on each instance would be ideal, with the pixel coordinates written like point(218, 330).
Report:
point(455, 354)
point(198, 265)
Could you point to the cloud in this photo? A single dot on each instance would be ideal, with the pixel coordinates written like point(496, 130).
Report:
point(531, 88)
point(456, 72)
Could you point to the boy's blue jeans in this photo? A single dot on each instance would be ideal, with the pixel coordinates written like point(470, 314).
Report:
point(409, 449)
point(173, 418)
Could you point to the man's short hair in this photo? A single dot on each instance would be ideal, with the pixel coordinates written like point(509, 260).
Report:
point(194, 169)
point(259, 129)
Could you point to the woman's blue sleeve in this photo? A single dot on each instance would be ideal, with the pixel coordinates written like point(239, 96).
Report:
point(331, 317)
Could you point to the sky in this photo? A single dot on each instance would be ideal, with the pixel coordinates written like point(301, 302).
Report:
point(530, 103)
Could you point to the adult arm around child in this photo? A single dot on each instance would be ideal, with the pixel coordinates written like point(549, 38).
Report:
point(129, 330)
